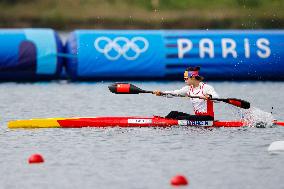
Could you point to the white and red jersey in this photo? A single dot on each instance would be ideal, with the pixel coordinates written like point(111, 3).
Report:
point(200, 106)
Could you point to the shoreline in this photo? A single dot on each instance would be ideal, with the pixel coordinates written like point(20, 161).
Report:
point(120, 23)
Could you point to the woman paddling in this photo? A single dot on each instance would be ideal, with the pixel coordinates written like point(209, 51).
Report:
point(203, 106)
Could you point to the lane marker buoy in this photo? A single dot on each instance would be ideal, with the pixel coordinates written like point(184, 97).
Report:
point(179, 180)
point(36, 158)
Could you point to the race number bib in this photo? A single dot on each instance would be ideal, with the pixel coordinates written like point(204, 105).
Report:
point(195, 123)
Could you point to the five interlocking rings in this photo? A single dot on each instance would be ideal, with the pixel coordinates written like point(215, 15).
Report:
point(130, 49)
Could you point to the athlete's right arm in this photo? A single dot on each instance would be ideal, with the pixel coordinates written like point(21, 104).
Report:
point(182, 91)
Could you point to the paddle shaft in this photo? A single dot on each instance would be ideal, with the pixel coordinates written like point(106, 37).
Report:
point(178, 95)
point(233, 101)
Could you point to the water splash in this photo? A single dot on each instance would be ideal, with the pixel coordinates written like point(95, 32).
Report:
point(256, 117)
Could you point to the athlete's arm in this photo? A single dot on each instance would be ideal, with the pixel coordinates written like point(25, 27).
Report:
point(182, 91)
point(210, 92)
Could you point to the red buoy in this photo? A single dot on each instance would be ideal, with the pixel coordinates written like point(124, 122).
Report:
point(179, 180)
point(36, 158)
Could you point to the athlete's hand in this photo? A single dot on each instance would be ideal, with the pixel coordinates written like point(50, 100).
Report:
point(207, 97)
point(158, 93)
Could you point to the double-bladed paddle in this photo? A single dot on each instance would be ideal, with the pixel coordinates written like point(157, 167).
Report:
point(126, 88)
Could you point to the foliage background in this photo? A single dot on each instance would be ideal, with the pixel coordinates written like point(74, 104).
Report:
point(143, 14)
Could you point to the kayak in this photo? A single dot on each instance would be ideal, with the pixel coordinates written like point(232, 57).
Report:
point(132, 121)
point(135, 121)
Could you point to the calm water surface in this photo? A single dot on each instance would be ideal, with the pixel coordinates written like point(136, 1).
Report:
point(136, 157)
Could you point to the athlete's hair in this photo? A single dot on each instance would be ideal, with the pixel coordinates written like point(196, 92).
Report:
point(197, 68)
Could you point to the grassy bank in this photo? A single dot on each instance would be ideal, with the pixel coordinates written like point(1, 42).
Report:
point(143, 14)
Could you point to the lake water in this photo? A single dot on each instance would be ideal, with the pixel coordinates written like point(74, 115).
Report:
point(131, 158)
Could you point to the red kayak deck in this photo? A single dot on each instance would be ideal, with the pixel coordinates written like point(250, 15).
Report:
point(132, 121)
point(142, 122)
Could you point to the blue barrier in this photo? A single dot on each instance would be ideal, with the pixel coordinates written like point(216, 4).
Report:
point(164, 54)
point(29, 54)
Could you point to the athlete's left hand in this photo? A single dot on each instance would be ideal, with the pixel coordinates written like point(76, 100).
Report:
point(207, 97)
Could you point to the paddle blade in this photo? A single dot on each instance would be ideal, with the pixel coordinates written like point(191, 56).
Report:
point(279, 123)
point(238, 102)
point(125, 88)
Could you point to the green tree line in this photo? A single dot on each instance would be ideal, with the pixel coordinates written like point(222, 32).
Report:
point(144, 14)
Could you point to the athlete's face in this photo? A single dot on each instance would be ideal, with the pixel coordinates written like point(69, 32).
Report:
point(190, 80)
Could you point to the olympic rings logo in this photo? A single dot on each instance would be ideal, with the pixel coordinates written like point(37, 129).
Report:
point(130, 49)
